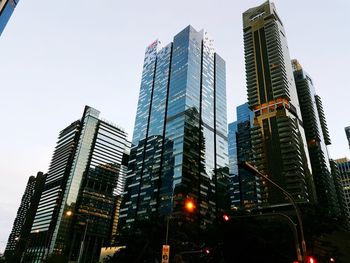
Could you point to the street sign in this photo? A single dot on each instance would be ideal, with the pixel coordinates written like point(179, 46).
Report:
point(165, 253)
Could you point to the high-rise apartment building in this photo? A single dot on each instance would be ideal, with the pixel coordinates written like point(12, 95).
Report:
point(317, 137)
point(344, 169)
point(19, 235)
point(179, 146)
point(278, 140)
point(6, 9)
point(79, 203)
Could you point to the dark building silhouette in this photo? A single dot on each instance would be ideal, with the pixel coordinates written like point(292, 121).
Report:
point(179, 146)
point(79, 203)
point(338, 183)
point(19, 236)
point(343, 165)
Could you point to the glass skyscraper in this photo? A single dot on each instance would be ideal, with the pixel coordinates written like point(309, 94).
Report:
point(317, 137)
point(234, 188)
point(86, 176)
point(179, 146)
point(347, 132)
point(278, 142)
point(6, 9)
point(245, 192)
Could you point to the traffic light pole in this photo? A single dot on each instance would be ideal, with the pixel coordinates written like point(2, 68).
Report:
point(290, 198)
point(291, 224)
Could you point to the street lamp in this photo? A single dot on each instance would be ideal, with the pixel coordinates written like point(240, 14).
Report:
point(70, 213)
point(190, 207)
point(290, 198)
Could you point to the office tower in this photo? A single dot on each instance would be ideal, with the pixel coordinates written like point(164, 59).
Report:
point(79, 201)
point(234, 188)
point(278, 140)
point(249, 183)
point(232, 148)
point(317, 137)
point(344, 169)
point(347, 132)
point(246, 185)
point(19, 235)
point(6, 9)
point(179, 146)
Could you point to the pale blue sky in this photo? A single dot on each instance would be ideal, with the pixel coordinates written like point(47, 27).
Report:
point(57, 56)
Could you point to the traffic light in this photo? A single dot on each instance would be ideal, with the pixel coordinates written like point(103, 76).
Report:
point(206, 251)
point(226, 217)
point(311, 259)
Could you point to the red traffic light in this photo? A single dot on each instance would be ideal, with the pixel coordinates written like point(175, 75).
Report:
point(226, 217)
point(311, 260)
point(207, 251)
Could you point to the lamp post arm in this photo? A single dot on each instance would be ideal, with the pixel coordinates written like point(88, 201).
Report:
point(256, 171)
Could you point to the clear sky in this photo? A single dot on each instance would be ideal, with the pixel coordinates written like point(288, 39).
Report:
point(57, 56)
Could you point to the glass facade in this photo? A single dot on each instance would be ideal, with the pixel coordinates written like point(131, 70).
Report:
point(279, 146)
point(179, 146)
point(347, 132)
point(245, 187)
point(6, 9)
point(232, 148)
point(86, 177)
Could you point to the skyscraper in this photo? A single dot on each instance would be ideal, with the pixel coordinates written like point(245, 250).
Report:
point(234, 188)
point(347, 132)
point(246, 187)
point(278, 140)
point(6, 9)
point(179, 146)
point(19, 235)
point(85, 177)
point(344, 169)
point(317, 137)
point(337, 177)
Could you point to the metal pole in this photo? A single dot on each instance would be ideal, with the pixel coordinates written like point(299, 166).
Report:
point(167, 230)
point(290, 223)
point(82, 242)
point(290, 198)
